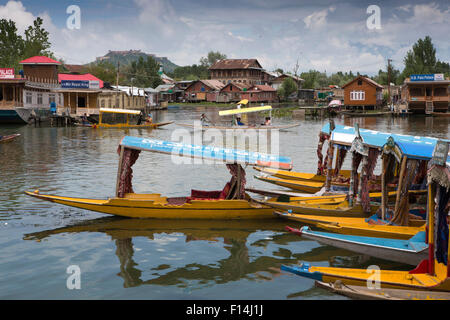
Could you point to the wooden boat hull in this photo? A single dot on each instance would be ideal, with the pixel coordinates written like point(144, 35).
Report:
point(357, 226)
point(385, 278)
point(364, 293)
point(302, 176)
point(9, 138)
point(411, 251)
point(131, 126)
point(157, 207)
point(299, 185)
point(281, 127)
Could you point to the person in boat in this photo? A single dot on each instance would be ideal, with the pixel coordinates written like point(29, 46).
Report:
point(149, 119)
point(239, 122)
point(204, 120)
point(267, 122)
point(84, 119)
point(141, 118)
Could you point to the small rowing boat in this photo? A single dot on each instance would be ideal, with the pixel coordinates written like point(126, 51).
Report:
point(127, 124)
point(9, 138)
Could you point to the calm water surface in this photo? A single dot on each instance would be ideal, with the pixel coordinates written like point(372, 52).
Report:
point(153, 259)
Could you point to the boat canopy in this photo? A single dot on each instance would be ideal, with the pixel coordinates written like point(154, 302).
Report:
point(124, 111)
point(244, 110)
point(207, 152)
point(344, 135)
point(419, 148)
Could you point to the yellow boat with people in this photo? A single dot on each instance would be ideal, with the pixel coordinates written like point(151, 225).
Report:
point(237, 124)
point(141, 123)
point(232, 202)
point(300, 176)
point(432, 274)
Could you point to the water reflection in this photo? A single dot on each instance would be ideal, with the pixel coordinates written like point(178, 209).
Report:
point(255, 250)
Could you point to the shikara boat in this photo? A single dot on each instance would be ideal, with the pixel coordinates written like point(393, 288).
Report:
point(235, 126)
point(9, 138)
point(300, 176)
point(127, 124)
point(432, 274)
point(230, 203)
point(373, 293)
point(411, 251)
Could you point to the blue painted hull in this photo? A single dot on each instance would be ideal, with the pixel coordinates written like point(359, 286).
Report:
point(11, 116)
point(411, 251)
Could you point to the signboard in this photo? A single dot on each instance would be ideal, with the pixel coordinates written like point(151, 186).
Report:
point(80, 84)
point(440, 153)
point(6, 73)
point(427, 77)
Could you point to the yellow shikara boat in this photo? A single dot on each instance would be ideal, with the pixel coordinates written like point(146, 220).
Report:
point(230, 203)
point(357, 226)
point(301, 176)
point(127, 124)
point(432, 274)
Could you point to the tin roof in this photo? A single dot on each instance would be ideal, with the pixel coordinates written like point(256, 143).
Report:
point(260, 87)
point(370, 81)
point(75, 77)
point(236, 64)
point(39, 60)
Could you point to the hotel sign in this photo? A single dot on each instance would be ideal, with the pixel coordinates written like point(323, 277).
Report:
point(440, 153)
point(427, 77)
point(6, 73)
point(80, 84)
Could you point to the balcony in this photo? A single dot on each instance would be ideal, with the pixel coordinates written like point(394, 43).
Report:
point(5, 104)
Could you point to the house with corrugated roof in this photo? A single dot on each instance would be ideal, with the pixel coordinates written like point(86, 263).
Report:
point(260, 93)
point(363, 92)
point(203, 90)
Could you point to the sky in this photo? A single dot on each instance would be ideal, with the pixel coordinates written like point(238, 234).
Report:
point(327, 36)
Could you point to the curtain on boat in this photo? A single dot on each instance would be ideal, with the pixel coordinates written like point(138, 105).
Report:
point(401, 212)
point(126, 175)
point(321, 165)
point(342, 152)
point(234, 169)
point(441, 214)
point(353, 189)
point(366, 175)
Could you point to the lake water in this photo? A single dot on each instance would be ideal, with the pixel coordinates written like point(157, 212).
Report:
point(155, 259)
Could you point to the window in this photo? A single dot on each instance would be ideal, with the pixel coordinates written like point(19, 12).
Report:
point(51, 98)
point(359, 82)
point(39, 98)
point(357, 95)
point(29, 98)
point(102, 103)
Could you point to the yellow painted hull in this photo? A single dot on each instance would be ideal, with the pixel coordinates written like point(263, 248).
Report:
point(157, 207)
point(387, 278)
point(299, 185)
point(357, 226)
point(302, 176)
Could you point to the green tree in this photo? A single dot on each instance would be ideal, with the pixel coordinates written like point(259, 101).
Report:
point(11, 44)
point(144, 73)
point(36, 40)
point(287, 88)
point(421, 59)
point(212, 58)
point(194, 72)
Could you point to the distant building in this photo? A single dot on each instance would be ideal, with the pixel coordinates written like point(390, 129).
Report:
point(231, 92)
point(247, 72)
point(278, 81)
point(426, 93)
point(203, 90)
point(260, 93)
point(362, 92)
point(41, 86)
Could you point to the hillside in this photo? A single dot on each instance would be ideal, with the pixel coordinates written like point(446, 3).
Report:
point(126, 57)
